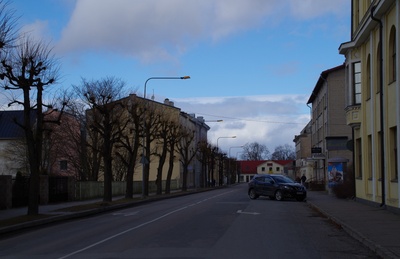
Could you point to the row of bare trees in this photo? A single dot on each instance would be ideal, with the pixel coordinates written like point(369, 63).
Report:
point(109, 129)
point(123, 132)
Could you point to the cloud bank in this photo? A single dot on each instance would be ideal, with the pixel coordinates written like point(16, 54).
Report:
point(269, 120)
point(159, 30)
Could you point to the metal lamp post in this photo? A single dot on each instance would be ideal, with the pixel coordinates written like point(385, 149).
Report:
point(229, 162)
point(224, 137)
point(221, 168)
point(162, 77)
point(144, 124)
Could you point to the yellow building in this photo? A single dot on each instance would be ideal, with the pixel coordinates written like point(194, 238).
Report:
point(372, 99)
point(128, 117)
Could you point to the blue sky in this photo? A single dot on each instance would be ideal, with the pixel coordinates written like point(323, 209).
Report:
point(252, 63)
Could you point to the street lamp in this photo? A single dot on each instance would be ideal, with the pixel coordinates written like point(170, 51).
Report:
point(214, 121)
point(163, 77)
point(229, 161)
point(234, 147)
point(221, 163)
point(224, 137)
point(144, 124)
point(237, 164)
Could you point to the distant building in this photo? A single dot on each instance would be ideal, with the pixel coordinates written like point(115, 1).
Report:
point(250, 168)
point(13, 156)
point(329, 132)
point(165, 115)
point(62, 145)
point(304, 165)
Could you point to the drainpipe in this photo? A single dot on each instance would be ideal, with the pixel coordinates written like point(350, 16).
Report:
point(381, 104)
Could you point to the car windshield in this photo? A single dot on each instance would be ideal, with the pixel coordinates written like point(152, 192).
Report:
point(283, 179)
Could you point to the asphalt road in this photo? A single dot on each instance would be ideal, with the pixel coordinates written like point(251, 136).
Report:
point(223, 223)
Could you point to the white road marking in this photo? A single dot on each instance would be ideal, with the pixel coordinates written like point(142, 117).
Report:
point(249, 213)
point(139, 226)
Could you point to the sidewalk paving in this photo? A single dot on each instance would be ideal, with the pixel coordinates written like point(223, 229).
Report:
point(377, 228)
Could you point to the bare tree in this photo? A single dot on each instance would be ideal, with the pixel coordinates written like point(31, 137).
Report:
point(30, 68)
point(255, 151)
point(203, 156)
point(7, 26)
point(151, 128)
point(106, 119)
point(87, 170)
point(61, 143)
point(129, 142)
point(163, 136)
point(173, 139)
point(284, 152)
point(187, 152)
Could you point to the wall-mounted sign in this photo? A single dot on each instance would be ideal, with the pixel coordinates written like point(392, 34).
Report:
point(316, 150)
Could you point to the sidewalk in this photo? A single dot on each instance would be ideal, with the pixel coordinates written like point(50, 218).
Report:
point(376, 228)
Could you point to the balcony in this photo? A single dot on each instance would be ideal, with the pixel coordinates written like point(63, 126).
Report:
point(353, 115)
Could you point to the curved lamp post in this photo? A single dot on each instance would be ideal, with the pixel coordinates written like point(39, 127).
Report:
point(163, 77)
point(224, 137)
point(234, 147)
point(229, 163)
point(221, 168)
point(144, 124)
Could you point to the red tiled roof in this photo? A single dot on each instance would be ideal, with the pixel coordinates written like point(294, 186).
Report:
point(250, 167)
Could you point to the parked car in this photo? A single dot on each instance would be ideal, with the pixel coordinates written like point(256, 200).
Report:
point(276, 187)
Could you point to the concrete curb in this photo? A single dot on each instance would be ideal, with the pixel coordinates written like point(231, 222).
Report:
point(74, 215)
point(377, 249)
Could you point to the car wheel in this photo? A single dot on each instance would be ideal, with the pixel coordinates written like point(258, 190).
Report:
point(252, 194)
point(278, 195)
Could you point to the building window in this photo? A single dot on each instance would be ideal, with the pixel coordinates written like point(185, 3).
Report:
point(262, 169)
point(393, 154)
point(392, 53)
point(63, 165)
point(357, 83)
point(277, 169)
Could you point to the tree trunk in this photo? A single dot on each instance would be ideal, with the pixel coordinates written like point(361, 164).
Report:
point(170, 170)
point(107, 158)
point(161, 163)
point(184, 177)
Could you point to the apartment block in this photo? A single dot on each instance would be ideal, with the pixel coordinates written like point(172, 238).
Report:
point(372, 99)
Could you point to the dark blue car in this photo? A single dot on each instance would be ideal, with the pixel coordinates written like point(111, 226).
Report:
point(276, 187)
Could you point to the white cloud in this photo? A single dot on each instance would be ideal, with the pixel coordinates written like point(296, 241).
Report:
point(154, 29)
point(271, 120)
point(308, 9)
point(39, 30)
